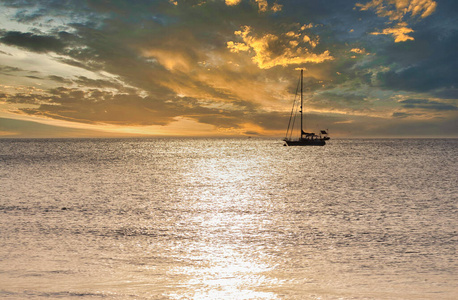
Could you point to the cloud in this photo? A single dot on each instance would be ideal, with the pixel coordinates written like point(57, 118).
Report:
point(85, 82)
point(33, 42)
point(262, 5)
point(446, 93)
point(59, 79)
point(26, 98)
point(232, 2)
point(428, 105)
point(272, 50)
point(400, 115)
point(9, 70)
point(399, 32)
point(340, 99)
point(399, 12)
point(358, 50)
point(170, 59)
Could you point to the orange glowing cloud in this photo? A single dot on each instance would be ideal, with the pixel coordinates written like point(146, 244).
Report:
point(232, 2)
point(400, 33)
point(277, 50)
point(357, 50)
point(262, 5)
point(276, 7)
point(397, 9)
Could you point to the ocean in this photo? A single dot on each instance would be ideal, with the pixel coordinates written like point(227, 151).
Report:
point(247, 218)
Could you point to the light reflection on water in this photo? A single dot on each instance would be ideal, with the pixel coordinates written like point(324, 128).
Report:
point(224, 212)
point(228, 219)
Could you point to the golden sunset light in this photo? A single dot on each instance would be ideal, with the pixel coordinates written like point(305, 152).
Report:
point(226, 66)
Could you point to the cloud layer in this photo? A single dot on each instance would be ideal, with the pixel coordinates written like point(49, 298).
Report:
point(231, 66)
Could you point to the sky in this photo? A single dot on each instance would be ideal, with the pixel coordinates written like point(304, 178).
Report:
point(101, 68)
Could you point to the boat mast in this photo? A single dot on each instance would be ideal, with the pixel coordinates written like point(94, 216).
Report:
point(302, 130)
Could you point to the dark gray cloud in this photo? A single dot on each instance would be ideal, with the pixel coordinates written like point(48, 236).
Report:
point(5, 53)
point(26, 98)
point(37, 43)
point(446, 93)
point(59, 79)
point(427, 104)
point(33, 77)
point(8, 69)
point(99, 83)
point(401, 115)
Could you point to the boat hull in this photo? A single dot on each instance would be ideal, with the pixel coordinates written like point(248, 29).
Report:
point(317, 142)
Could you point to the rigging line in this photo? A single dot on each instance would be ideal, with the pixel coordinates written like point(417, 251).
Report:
point(295, 114)
point(294, 121)
point(292, 113)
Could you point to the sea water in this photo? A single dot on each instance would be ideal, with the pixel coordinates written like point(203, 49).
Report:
point(228, 219)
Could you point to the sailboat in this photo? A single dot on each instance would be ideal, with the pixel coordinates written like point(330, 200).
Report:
point(306, 138)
